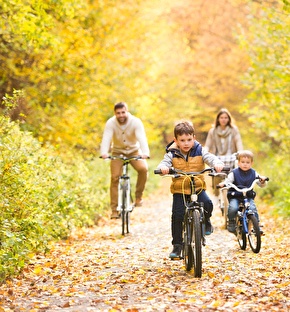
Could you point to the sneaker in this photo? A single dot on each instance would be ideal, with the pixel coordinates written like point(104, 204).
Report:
point(138, 202)
point(115, 215)
point(232, 226)
point(176, 252)
point(208, 227)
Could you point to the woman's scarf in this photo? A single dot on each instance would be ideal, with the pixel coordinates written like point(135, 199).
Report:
point(222, 139)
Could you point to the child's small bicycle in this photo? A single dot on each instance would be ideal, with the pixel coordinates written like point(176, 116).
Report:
point(193, 224)
point(247, 225)
point(125, 199)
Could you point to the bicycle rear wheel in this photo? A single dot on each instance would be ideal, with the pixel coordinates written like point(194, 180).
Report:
point(254, 234)
point(187, 247)
point(241, 235)
point(197, 244)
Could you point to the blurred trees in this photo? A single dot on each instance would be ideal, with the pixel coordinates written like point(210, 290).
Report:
point(268, 103)
point(76, 59)
point(169, 60)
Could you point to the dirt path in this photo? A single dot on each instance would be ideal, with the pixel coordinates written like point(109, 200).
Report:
point(99, 270)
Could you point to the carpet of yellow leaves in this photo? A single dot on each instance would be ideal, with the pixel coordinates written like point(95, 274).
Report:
point(98, 269)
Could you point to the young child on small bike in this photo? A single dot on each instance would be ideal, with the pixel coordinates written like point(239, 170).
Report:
point(187, 154)
point(242, 177)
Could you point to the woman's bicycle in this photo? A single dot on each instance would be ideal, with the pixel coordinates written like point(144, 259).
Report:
point(125, 199)
point(230, 161)
point(193, 224)
point(222, 197)
point(247, 225)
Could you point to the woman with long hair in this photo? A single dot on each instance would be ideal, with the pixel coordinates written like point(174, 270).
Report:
point(223, 140)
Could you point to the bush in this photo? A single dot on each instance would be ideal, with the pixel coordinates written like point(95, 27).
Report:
point(42, 196)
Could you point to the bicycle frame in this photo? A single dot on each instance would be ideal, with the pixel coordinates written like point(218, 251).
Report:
point(124, 186)
point(244, 212)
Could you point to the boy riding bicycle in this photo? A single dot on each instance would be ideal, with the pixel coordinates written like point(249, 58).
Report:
point(186, 154)
point(242, 177)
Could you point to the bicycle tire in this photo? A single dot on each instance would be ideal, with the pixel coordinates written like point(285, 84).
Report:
point(197, 244)
point(127, 221)
point(241, 235)
point(123, 210)
point(226, 208)
point(187, 244)
point(129, 205)
point(254, 234)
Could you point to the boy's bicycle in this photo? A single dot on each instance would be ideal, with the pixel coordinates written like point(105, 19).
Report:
point(247, 225)
point(193, 224)
point(125, 199)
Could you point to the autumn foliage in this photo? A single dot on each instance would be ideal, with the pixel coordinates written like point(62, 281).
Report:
point(63, 66)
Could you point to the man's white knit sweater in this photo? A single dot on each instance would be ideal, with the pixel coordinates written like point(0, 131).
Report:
point(124, 139)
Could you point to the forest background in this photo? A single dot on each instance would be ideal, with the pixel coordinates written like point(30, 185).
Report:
point(65, 63)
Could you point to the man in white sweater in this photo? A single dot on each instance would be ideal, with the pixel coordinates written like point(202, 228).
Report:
point(124, 134)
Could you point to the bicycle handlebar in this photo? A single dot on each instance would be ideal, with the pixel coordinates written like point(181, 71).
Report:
point(242, 190)
point(124, 158)
point(177, 172)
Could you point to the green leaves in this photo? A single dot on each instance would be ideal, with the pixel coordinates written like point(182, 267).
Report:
point(268, 80)
point(43, 197)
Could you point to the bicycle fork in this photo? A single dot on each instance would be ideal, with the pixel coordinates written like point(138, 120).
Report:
point(124, 193)
point(198, 206)
point(244, 217)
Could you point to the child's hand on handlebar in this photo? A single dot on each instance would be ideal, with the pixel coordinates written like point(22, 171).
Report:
point(218, 168)
point(164, 170)
point(262, 179)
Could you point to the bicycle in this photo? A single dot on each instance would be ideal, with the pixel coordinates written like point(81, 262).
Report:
point(193, 224)
point(222, 199)
point(125, 199)
point(231, 162)
point(247, 225)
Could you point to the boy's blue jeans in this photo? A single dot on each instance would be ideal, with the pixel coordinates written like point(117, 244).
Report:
point(234, 207)
point(178, 210)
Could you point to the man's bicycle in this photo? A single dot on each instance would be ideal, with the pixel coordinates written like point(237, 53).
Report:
point(247, 225)
point(125, 199)
point(193, 224)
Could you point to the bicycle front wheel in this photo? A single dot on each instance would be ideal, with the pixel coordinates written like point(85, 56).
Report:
point(187, 247)
point(254, 234)
point(197, 244)
point(128, 221)
point(241, 235)
point(123, 211)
